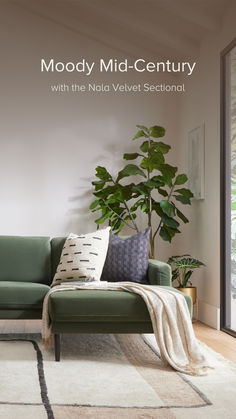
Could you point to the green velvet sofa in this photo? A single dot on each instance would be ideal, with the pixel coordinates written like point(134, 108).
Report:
point(27, 267)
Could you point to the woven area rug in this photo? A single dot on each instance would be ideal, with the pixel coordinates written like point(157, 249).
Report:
point(106, 377)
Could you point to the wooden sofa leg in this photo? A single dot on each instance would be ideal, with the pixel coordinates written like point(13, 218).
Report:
point(57, 346)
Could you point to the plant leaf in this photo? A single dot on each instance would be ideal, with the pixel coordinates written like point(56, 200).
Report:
point(165, 234)
point(157, 132)
point(98, 184)
point(162, 192)
point(183, 199)
point(151, 184)
point(144, 207)
point(130, 170)
point(103, 217)
point(185, 192)
point(167, 208)
point(144, 146)
point(94, 204)
point(139, 134)
point(102, 173)
point(117, 226)
point(157, 158)
point(175, 274)
point(168, 173)
point(172, 231)
point(126, 191)
point(113, 199)
point(181, 179)
point(167, 169)
point(157, 208)
point(131, 156)
point(153, 161)
point(170, 222)
point(141, 188)
point(160, 146)
point(187, 262)
point(158, 180)
point(105, 192)
point(137, 204)
point(172, 258)
point(186, 278)
point(143, 128)
point(181, 216)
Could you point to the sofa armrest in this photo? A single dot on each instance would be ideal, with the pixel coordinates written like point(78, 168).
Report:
point(159, 273)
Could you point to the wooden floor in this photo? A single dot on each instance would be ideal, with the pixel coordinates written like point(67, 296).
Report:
point(219, 341)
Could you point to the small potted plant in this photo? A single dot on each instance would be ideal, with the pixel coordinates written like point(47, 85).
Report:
point(182, 269)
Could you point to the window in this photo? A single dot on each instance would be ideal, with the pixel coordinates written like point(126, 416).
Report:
point(228, 188)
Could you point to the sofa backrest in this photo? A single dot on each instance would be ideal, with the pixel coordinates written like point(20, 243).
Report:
point(25, 259)
point(57, 244)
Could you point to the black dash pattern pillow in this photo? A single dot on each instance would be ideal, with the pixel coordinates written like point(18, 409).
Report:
point(127, 259)
point(82, 258)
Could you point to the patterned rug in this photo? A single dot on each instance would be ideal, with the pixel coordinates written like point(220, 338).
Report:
point(106, 377)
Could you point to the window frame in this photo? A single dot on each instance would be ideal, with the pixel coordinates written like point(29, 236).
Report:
point(225, 190)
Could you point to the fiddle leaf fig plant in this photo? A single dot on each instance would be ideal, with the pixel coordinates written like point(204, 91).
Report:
point(183, 267)
point(157, 190)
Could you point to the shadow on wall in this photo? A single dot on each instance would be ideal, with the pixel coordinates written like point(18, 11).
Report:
point(111, 158)
point(81, 219)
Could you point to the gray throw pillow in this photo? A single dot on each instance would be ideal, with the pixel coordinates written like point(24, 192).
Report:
point(127, 259)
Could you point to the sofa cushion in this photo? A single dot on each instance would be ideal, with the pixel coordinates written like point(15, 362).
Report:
point(83, 257)
point(100, 306)
point(97, 305)
point(25, 259)
point(127, 259)
point(22, 295)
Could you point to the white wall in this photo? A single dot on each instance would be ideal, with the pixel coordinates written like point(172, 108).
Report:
point(51, 143)
point(201, 104)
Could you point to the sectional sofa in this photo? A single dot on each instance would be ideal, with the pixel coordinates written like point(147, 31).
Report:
point(27, 267)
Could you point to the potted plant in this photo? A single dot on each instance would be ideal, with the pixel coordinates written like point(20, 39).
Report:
point(182, 270)
point(156, 190)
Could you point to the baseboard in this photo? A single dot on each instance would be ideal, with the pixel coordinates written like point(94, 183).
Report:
point(209, 314)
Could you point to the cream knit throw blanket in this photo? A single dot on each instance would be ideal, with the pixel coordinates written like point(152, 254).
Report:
point(170, 320)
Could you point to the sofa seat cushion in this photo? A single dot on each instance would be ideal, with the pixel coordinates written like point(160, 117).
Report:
point(99, 306)
point(22, 295)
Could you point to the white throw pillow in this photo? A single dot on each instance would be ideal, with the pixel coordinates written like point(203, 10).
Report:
point(83, 257)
